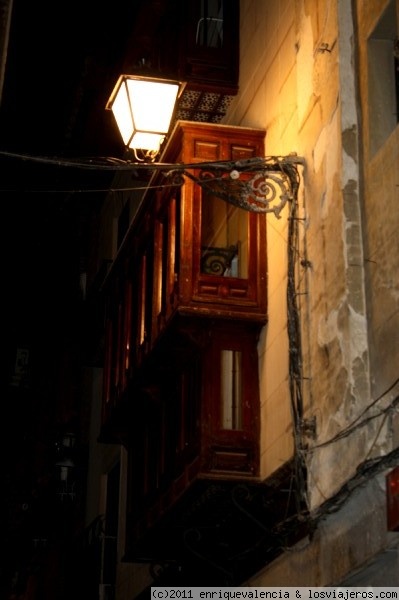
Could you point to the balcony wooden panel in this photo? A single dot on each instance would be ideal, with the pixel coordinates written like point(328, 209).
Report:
point(206, 150)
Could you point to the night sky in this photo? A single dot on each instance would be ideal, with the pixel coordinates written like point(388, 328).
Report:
point(59, 61)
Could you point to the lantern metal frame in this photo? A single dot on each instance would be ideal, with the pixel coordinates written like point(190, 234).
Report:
point(144, 108)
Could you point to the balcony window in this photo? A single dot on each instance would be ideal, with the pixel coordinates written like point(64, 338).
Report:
point(231, 389)
point(210, 25)
point(383, 65)
point(224, 238)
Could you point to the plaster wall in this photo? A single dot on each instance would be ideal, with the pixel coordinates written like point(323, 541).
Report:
point(308, 87)
point(298, 80)
point(380, 207)
point(334, 550)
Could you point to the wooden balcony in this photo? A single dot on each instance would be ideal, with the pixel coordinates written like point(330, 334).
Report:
point(185, 302)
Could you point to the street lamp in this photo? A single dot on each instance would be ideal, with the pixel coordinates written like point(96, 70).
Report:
point(143, 108)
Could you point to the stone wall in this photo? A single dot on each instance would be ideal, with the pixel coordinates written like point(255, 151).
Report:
point(299, 80)
point(304, 78)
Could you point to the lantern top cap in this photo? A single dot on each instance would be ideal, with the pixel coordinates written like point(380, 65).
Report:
point(144, 78)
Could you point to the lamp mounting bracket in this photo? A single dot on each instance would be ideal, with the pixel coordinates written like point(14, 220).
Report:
point(262, 185)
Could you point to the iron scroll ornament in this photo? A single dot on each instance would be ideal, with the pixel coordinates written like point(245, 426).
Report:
point(262, 185)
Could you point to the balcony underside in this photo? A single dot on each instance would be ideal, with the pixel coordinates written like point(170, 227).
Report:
point(230, 528)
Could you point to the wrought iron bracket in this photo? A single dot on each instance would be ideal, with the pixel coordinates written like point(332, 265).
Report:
point(262, 185)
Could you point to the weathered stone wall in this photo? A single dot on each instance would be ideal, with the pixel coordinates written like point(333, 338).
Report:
point(381, 215)
point(339, 546)
point(304, 78)
point(299, 81)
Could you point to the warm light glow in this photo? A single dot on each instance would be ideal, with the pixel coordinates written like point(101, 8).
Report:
point(143, 109)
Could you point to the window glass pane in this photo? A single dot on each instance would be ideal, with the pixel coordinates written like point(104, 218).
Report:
point(224, 238)
point(231, 389)
point(210, 25)
point(382, 78)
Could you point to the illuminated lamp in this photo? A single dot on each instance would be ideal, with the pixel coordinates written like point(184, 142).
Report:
point(143, 108)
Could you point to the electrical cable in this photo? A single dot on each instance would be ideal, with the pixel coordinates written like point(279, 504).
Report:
point(355, 425)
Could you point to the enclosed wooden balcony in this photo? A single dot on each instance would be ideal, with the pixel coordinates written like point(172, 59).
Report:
point(185, 303)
